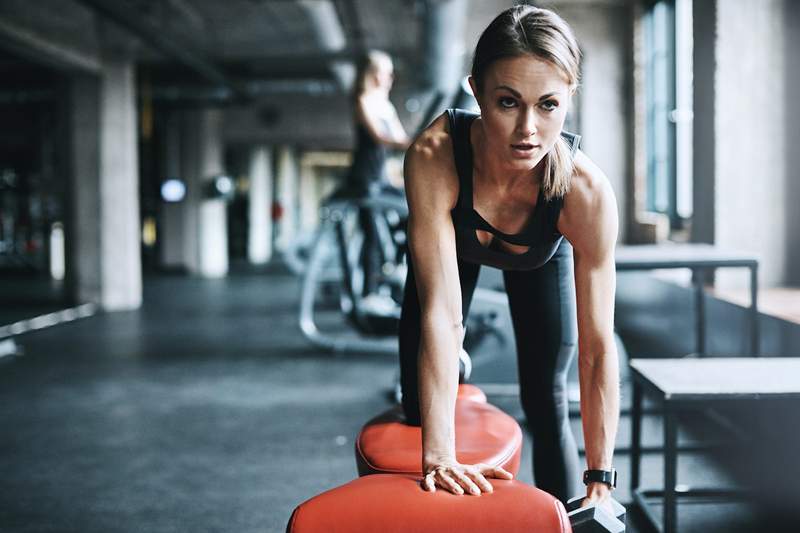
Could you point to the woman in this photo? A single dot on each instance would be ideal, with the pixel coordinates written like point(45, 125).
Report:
point(509, 189)
point(377, 129)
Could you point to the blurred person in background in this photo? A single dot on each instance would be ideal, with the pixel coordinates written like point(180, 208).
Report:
point(378, 130)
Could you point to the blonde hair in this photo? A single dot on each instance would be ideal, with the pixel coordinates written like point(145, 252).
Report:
point(367, 64)
point(525, 29)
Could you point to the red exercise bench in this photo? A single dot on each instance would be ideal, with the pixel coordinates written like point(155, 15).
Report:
point(484, 434)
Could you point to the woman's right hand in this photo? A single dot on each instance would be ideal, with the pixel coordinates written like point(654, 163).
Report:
point(458, 478)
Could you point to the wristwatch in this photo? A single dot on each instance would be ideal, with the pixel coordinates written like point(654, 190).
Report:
point(609, 477)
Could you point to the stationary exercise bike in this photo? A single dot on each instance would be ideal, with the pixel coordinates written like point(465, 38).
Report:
point(335, 261)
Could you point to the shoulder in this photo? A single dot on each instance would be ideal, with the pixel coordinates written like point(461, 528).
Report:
point(433, 143)
point(429, 163)
point(590, 186)
point(590, 207)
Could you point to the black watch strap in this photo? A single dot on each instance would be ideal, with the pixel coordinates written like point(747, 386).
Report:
point(609, 477)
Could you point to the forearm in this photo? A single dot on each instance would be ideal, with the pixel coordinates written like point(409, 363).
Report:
point(438, 384)
point(599, 383)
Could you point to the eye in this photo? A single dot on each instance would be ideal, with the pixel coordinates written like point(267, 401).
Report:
point(506, 102)
point(549, 105)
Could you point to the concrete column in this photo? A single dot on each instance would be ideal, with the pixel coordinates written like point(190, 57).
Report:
point(308, 197)
point(83, 228)
point(259, 235)
point(105, 251)
point(751, 145)
point(205, 246)
point(190, 173)
point(172, 215)
point(287, 196)
point(119, 189)
point(213, 217)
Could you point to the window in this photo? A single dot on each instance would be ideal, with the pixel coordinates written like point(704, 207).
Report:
point(668, 85)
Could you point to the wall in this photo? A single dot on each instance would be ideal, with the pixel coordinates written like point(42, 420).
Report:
point(603, 32)
point(751, 172)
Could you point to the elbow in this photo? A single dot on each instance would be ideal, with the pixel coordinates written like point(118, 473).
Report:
point(598, 355)
point(444, 320)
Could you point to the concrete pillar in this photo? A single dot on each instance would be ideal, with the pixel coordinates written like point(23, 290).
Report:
point(172, 215)
point(105, 250)
point(213, 217)
point(287, 196)
point(751, 145)
point(309, 198)
point(83, 227)
point(205, 246)
point(190, 172)
point(119, 188)
point(259, 235)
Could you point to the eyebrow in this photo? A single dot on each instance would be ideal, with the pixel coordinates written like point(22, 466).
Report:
point(517, 94)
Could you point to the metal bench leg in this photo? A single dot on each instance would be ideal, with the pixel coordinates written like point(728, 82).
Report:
point(670, 470)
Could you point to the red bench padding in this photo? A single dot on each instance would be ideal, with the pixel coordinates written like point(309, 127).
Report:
point(470, 392)
point(397, 503)
point(484, 434)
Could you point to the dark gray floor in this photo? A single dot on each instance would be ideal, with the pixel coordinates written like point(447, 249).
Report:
point(27, 295)
point(207, 411)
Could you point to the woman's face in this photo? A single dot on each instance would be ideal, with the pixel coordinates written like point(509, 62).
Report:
point(384, 74)
point(524, 102)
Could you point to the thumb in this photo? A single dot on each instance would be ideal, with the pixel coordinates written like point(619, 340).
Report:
point(497, 472)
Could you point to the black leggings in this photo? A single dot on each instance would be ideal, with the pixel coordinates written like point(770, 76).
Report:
point(543, 311)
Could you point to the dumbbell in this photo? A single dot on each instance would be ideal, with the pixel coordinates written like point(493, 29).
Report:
point(594, 519)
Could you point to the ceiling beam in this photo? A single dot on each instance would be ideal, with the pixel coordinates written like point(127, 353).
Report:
point(126, 17)
point(43, 50)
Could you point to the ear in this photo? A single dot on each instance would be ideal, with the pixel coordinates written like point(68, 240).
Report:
point(472, 86)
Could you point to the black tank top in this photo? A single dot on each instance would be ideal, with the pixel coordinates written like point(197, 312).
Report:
point(369, 160)
point(540, 233)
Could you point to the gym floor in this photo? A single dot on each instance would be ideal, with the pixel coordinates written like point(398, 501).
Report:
point(206, 410)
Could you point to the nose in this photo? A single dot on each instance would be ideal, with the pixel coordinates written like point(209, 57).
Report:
point(527, 123)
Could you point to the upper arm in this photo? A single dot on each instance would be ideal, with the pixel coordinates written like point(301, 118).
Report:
point(589, 221)
point(432, 189)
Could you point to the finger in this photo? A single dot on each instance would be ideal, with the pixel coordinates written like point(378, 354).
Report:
point(496, 472)
point(446, 482)
point(480, 480)
point(428, 483)
point(466, 482)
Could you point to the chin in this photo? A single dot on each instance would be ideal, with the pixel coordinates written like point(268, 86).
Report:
point(523, 163)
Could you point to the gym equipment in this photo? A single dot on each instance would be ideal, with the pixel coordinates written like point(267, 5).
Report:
point(484, 434)
point(396, 503)
point(335, 255)
point(593, 519)
point(339, 241)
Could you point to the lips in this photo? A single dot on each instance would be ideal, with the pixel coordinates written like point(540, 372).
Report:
point(523, 149)
point(523, 146)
